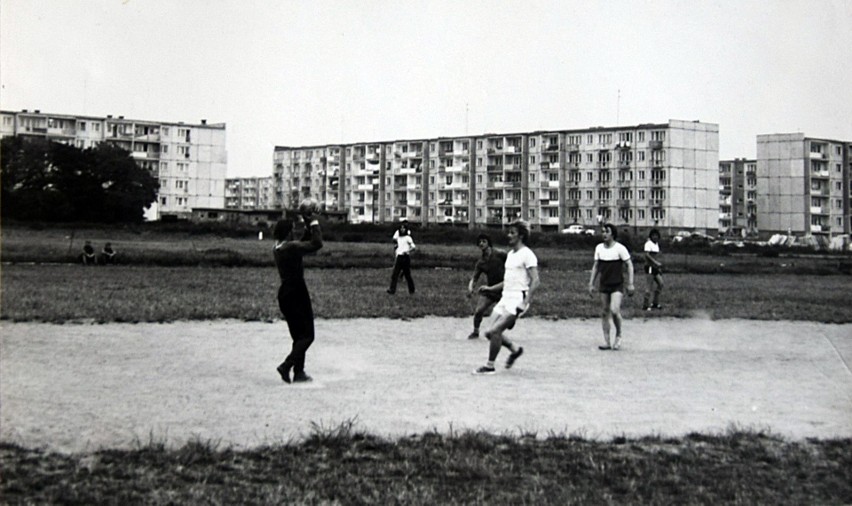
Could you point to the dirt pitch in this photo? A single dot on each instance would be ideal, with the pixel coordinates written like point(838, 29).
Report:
point(82, 387)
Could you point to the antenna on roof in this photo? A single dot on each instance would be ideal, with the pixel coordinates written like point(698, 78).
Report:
point(618, 108)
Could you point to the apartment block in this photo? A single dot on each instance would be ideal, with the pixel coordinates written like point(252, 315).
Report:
point(249, 193)
point(189, 160)
point(803, 185)
point(649, 175)
point(738, 197)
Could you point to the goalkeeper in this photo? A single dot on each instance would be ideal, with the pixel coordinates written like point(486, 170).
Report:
point(293, 298)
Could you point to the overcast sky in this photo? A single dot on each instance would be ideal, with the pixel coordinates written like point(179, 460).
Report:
point(295, 73)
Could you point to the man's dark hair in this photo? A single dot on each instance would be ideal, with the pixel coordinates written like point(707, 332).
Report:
point(484, 237)
point(654, 232)
point(282, 229)
point(523, 229)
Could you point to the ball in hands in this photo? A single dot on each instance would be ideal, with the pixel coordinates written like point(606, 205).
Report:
point(309, 206)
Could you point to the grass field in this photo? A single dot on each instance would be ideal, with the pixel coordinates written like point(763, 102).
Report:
point(168, 277)
point(337, 466)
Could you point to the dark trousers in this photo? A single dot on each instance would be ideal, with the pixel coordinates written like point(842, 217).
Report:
point(297, 310)
point(402, 264)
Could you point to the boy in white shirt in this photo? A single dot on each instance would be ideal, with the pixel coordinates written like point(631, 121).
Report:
point(520, 281)
point(653, 270)
point(402, 259)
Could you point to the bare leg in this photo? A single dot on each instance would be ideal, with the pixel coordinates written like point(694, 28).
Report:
point(658, 281)
point(615, 311)
point(484, 305)
point(605, 316)
point(496, 338)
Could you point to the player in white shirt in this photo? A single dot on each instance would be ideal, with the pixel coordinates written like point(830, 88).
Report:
point(653, 271)
point(402, 258)
point(520, 281)
point(610, 258)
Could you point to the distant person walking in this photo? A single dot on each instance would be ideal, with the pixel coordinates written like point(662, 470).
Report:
point(520, 281)
point(293, 298)
point(88, 256)
point(610, 259)
point(653, 271)
point(107, 254)
point(402, 258)
point(492, 264)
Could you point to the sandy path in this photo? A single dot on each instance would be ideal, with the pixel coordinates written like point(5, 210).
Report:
point(83, 387)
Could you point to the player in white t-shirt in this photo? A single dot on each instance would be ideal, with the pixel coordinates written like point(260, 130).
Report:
point(520, 281)
point(403, 246)
point(653, 271)
point(610, 258)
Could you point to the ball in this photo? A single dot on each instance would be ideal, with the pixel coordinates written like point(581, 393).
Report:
point(309, 206)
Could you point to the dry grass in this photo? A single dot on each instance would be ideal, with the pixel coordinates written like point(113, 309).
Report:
point(341, 467)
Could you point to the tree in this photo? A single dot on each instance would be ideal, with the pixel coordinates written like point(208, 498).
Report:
point(50, 181)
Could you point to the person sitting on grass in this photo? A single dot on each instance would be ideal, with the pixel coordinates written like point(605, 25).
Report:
point(107, 254)
point(88, 256)
point(294, 301)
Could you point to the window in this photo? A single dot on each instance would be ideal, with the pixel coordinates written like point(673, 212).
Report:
point(590, 195)
point(479, 178)
point(431, 179)
point(590, 158)
point(588, 214)
point(479, 146)
point(431, 164)
point(658, 135)
point(640, 155)
point(164, 148)
point(532, 159)
point(589, 176)
point(641, 194)
point(532, 177)
point(532, 195)
point(82, 126)
point(553, 176)
point(532, 213)
point(532, 142)
point(590, 139)
point(641, 175)
point(162, 201)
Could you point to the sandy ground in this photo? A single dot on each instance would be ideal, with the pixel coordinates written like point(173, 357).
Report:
point(83, 387)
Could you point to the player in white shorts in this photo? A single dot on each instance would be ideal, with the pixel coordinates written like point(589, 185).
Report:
point(520, 281)
point(610, 258)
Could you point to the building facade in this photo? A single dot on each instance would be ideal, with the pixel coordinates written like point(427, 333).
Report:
point(189, 160)
point(803, 185)
point(651, 175)
point(738, 197)
point(249, 193)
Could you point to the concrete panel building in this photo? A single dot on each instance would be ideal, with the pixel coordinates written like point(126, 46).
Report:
point(189, 160)
point(249, 193)
point(650, 175)
point(738, 197)
point(803, 185)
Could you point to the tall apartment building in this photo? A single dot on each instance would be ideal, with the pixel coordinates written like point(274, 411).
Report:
point(189, 160)
point(249, 193)
point(803, 184)
point(738, 197)
point(650, 175)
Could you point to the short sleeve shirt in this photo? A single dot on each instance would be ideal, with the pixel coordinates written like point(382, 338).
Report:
point(610, 262)
point(652, 247)
point(516, 278)
point(404, 244)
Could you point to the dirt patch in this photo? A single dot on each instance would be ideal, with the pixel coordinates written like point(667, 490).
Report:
point(83, 387)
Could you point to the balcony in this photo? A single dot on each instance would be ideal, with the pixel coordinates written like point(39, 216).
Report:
point(572, 203)
point(494, 220)
point(656, 202)
point(658, 182)
point(365, 187)
point(623, 203)
point(456, 169)
point(603, 184)
point(624, 183)
point(816, 228)
point(573, 148)
point(724, 216)
point(494, 168)
point(816, 156)
point(818, 210)
point(822, 174)
point(655, 144)
point(512, 167)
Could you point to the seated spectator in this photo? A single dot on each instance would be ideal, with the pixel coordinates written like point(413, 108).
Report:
point(88, 256)
point(107, 254)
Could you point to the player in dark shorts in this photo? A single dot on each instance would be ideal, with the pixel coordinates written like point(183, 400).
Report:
point(492, 264)
point(610, 259)
point(293, 298)
point(653, 271)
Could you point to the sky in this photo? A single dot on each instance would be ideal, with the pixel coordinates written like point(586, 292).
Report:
point(314, 72)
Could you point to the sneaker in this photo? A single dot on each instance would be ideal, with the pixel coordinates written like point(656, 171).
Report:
point(301, 377)
point(514, 356)
point(485, 370)
point(284, 370)
point(474, 335)
point(616, 345)
point(391, 291)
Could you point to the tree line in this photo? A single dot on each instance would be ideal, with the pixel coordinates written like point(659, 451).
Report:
point(41, 180)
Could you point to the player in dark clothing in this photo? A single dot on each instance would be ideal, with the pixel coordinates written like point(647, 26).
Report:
point(293, 298)
point(88, 256)
point(492, 264)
